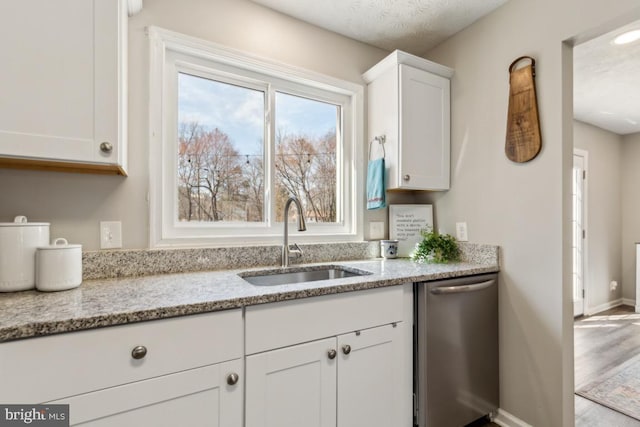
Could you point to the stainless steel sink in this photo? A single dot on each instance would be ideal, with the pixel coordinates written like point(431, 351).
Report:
point(283, 276)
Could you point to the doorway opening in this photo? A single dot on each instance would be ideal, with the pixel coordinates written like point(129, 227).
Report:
point(578, 225)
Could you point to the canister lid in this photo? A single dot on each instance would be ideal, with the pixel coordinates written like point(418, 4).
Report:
point(21, 221)
point(59, 244)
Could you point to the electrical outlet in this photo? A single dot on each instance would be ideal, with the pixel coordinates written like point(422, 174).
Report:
point(613, 285)
point(376, 230)
point(461, 232)
point(110, 234)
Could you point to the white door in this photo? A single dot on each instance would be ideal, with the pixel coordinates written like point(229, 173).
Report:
point(370, 375)
point(293, 386)
point(579, 230)
point(196, 398)
point(424, 130)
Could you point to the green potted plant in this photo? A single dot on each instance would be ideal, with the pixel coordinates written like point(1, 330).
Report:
point(436, 248)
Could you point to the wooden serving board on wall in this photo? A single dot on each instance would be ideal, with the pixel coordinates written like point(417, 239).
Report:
point(523, 142)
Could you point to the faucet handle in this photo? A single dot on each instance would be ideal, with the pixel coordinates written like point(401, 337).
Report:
point(295, 249)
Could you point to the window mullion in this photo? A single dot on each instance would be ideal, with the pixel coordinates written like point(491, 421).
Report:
point(271, 156)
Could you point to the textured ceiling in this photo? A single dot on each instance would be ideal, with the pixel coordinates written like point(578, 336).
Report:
point(606, 86)
point(414, 26)
point(606, 83)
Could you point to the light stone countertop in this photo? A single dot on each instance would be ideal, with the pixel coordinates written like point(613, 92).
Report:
point(98, 303)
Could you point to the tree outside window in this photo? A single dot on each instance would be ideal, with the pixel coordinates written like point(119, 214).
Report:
point(221, 170)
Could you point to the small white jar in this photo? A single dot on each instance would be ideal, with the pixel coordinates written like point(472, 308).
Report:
point(58, 266)
point(389, 248)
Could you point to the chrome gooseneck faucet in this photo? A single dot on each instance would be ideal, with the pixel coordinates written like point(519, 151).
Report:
point(286, 251)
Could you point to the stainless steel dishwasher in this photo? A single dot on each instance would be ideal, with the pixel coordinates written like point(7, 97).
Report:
point(456, 351)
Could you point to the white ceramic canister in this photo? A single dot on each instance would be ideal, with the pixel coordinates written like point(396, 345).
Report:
point(58, 266)
point(18, 242)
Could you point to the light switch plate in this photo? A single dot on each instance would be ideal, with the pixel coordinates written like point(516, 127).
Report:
point(110, 234)
point(461, 232)
point(376, 230)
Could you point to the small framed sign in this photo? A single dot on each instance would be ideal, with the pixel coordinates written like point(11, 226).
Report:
point(405, 224)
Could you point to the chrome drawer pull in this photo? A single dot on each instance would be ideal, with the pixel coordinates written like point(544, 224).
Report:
point(106, 147)
point(232, 379)
point(139, 352)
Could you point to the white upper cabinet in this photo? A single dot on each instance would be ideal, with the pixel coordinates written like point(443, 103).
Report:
point(63, 103)
point(409, 104)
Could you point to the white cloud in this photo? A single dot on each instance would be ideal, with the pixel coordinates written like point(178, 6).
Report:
point(250, 110)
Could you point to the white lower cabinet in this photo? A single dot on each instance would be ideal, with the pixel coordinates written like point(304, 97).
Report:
point(184, 371)
point(360, 378)
point(340, 360)
point(348, 381)
point(197, 398)
point(370, 373)
point(292, 386)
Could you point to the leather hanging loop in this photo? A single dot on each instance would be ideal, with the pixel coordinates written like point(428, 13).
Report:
point(523, 141)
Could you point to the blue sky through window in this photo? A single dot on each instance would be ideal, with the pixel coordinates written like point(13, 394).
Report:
point(239, 112)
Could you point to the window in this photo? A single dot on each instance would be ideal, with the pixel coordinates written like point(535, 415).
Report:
point(220, 151)
point(234, 136)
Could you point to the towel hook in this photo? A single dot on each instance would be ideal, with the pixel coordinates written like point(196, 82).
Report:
point(381, 140)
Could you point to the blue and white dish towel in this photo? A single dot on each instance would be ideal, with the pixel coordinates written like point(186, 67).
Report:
point(375, 184)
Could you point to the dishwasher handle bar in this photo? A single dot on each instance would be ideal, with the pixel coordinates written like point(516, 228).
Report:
point(443, 290)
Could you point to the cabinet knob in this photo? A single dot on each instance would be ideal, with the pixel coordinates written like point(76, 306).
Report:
point(346, 349)
point(332, 354)
point(106, 147)
point(139, 352)
point(407, 177)
point(233, 378)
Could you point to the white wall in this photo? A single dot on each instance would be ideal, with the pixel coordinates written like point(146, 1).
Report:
point(524, 208)
point(604, 214)
point(630, 212)
point(75, 204)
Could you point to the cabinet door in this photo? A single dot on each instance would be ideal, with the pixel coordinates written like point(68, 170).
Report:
point(370, 378)
point(424, 130)
point(62, 80)
point(194, 398)
point(292, 387)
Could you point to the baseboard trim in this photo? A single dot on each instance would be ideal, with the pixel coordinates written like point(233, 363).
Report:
point(630, 302)
point(506, 419)
point(606, 306)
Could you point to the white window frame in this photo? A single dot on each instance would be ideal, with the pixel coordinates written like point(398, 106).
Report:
point(172, 52)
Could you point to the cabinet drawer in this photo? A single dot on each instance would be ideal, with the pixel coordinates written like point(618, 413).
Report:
point(197, 397)
point(287, 323)
point(41, 369)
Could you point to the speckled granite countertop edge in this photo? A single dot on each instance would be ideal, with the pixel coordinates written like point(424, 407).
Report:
point(110, 302)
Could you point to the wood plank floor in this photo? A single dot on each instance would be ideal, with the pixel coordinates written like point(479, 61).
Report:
point(601, 342)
